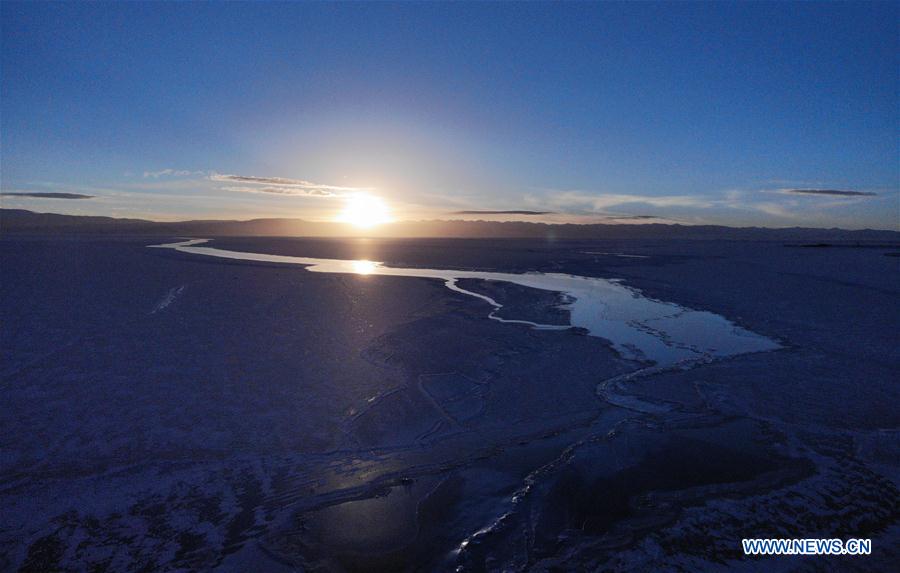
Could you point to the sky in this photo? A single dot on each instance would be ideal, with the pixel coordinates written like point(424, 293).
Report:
point(760, 114)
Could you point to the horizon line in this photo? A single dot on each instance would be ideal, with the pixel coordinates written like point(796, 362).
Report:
point(432, 221)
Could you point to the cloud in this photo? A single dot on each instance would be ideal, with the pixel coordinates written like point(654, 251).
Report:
point(282, 186)
point(785, 203)
point(294, 191)
point(634, 217)
point(512, 212)
point(39, 195)
point(601, 201)
point(172, 173)
point(827, 192)
point(774, 209)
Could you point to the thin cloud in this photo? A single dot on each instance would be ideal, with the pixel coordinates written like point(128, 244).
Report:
point(293, 191)
point(634, 217)
point(39, 195)
point(282, 186)
point(602, 201)
point(828, 192)
point(171, 173)
point(789, 206)
point(774, 209)
point(511, 212)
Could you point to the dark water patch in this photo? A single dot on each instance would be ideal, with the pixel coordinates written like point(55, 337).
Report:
point(611, 492)
point(398, 529)
point(44, 555)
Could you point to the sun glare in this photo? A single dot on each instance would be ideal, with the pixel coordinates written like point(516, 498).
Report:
point(365, 211)
point(363, 267)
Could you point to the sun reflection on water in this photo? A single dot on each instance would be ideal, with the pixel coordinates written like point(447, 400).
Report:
point(363, 267)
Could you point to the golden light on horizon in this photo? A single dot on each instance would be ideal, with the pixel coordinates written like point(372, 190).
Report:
point(365, 211)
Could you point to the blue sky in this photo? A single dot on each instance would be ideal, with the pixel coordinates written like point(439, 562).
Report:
point(698, 113)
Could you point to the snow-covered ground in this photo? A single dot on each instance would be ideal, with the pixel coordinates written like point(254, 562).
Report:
point(169, 411)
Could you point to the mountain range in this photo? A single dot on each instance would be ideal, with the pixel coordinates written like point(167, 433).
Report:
point(20, 221)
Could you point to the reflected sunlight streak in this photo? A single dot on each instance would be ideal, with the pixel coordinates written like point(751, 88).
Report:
point(363, 267)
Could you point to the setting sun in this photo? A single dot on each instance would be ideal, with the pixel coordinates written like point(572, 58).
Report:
point(365, 211)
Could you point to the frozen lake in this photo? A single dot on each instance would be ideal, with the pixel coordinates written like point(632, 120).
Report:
point(640, 328)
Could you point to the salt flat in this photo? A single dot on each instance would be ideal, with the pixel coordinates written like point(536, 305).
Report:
point(172, 411)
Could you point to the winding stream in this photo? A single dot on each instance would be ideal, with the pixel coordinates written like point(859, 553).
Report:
point(638, 327)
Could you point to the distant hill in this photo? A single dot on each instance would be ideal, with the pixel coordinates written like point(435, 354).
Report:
point(19, 221)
